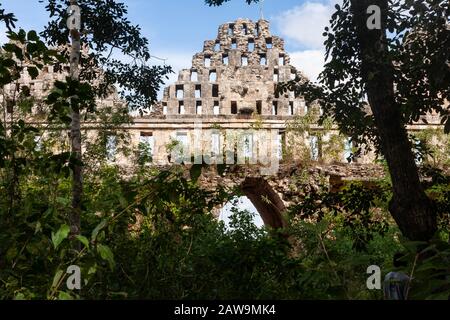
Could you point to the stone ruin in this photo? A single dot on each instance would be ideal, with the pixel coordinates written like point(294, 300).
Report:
point(235, 75)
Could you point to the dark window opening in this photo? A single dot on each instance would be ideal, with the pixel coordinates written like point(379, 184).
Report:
point(230, 29)
point(277, 94)
point(275, 108)
point(259, 107)
point(269, 44)
point(233, 44)
point(215, 90)
point(291, 108)
point(245, 28)
point(234, 109)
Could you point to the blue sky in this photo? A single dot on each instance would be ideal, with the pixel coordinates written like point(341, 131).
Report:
point(177, 28)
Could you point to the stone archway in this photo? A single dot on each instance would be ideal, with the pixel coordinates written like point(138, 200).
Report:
point(266, 201)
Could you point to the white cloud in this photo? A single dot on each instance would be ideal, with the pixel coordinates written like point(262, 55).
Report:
point(310, 62)
point(305, 24)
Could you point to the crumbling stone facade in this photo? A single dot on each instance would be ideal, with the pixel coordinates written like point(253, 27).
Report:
point(236, 74)
point(229, 88)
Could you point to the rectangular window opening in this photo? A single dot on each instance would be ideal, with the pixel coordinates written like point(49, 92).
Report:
point(215, 90)
point(213, 76)
point(280, 143)
point(348, 150)
point(234, 108)
point(315, 148)
point(230, 29)
point(263, 60)
point(194, 75)
point(251, 45)
point(259, 107)
point(147, 145)
point(225, 60)
point(111, 148)
point(275, 108)
point(244, 61)
point(198, 108)
point(276, 75)
point(182, 148)
point(198, 91)
point(248, 146)
point(291, 108)
point(207, 62)
point(215, 144)
point(216, 108)
point(233, 44)
point(179, 92)
point(181, 109)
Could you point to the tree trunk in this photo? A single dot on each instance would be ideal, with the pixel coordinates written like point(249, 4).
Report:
point(411, 208)
point(75, 136)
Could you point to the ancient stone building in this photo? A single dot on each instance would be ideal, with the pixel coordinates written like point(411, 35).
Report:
point(235, 74)
point(229, 87)
point(225, 106)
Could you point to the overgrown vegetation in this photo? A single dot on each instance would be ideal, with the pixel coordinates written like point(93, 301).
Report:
point(152, 234)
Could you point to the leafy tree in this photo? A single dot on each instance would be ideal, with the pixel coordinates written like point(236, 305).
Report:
point(385, 69)
point(104, 28)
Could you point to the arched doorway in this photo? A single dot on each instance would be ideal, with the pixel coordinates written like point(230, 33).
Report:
point(242, 203)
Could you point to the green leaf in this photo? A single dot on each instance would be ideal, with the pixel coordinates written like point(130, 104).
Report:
point(106, 254)
point(60, 235)
point(57, 278)
point(97, 229)
point(64, 296)
point(83, 240)
point(33, 72)
point(38, 227)
point(32, 36)
point(20, 296)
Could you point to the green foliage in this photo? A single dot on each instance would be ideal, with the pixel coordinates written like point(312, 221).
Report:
point(153, 234)
point(105, 28)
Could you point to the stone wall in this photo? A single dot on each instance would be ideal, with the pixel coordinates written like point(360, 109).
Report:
point(236, 74)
